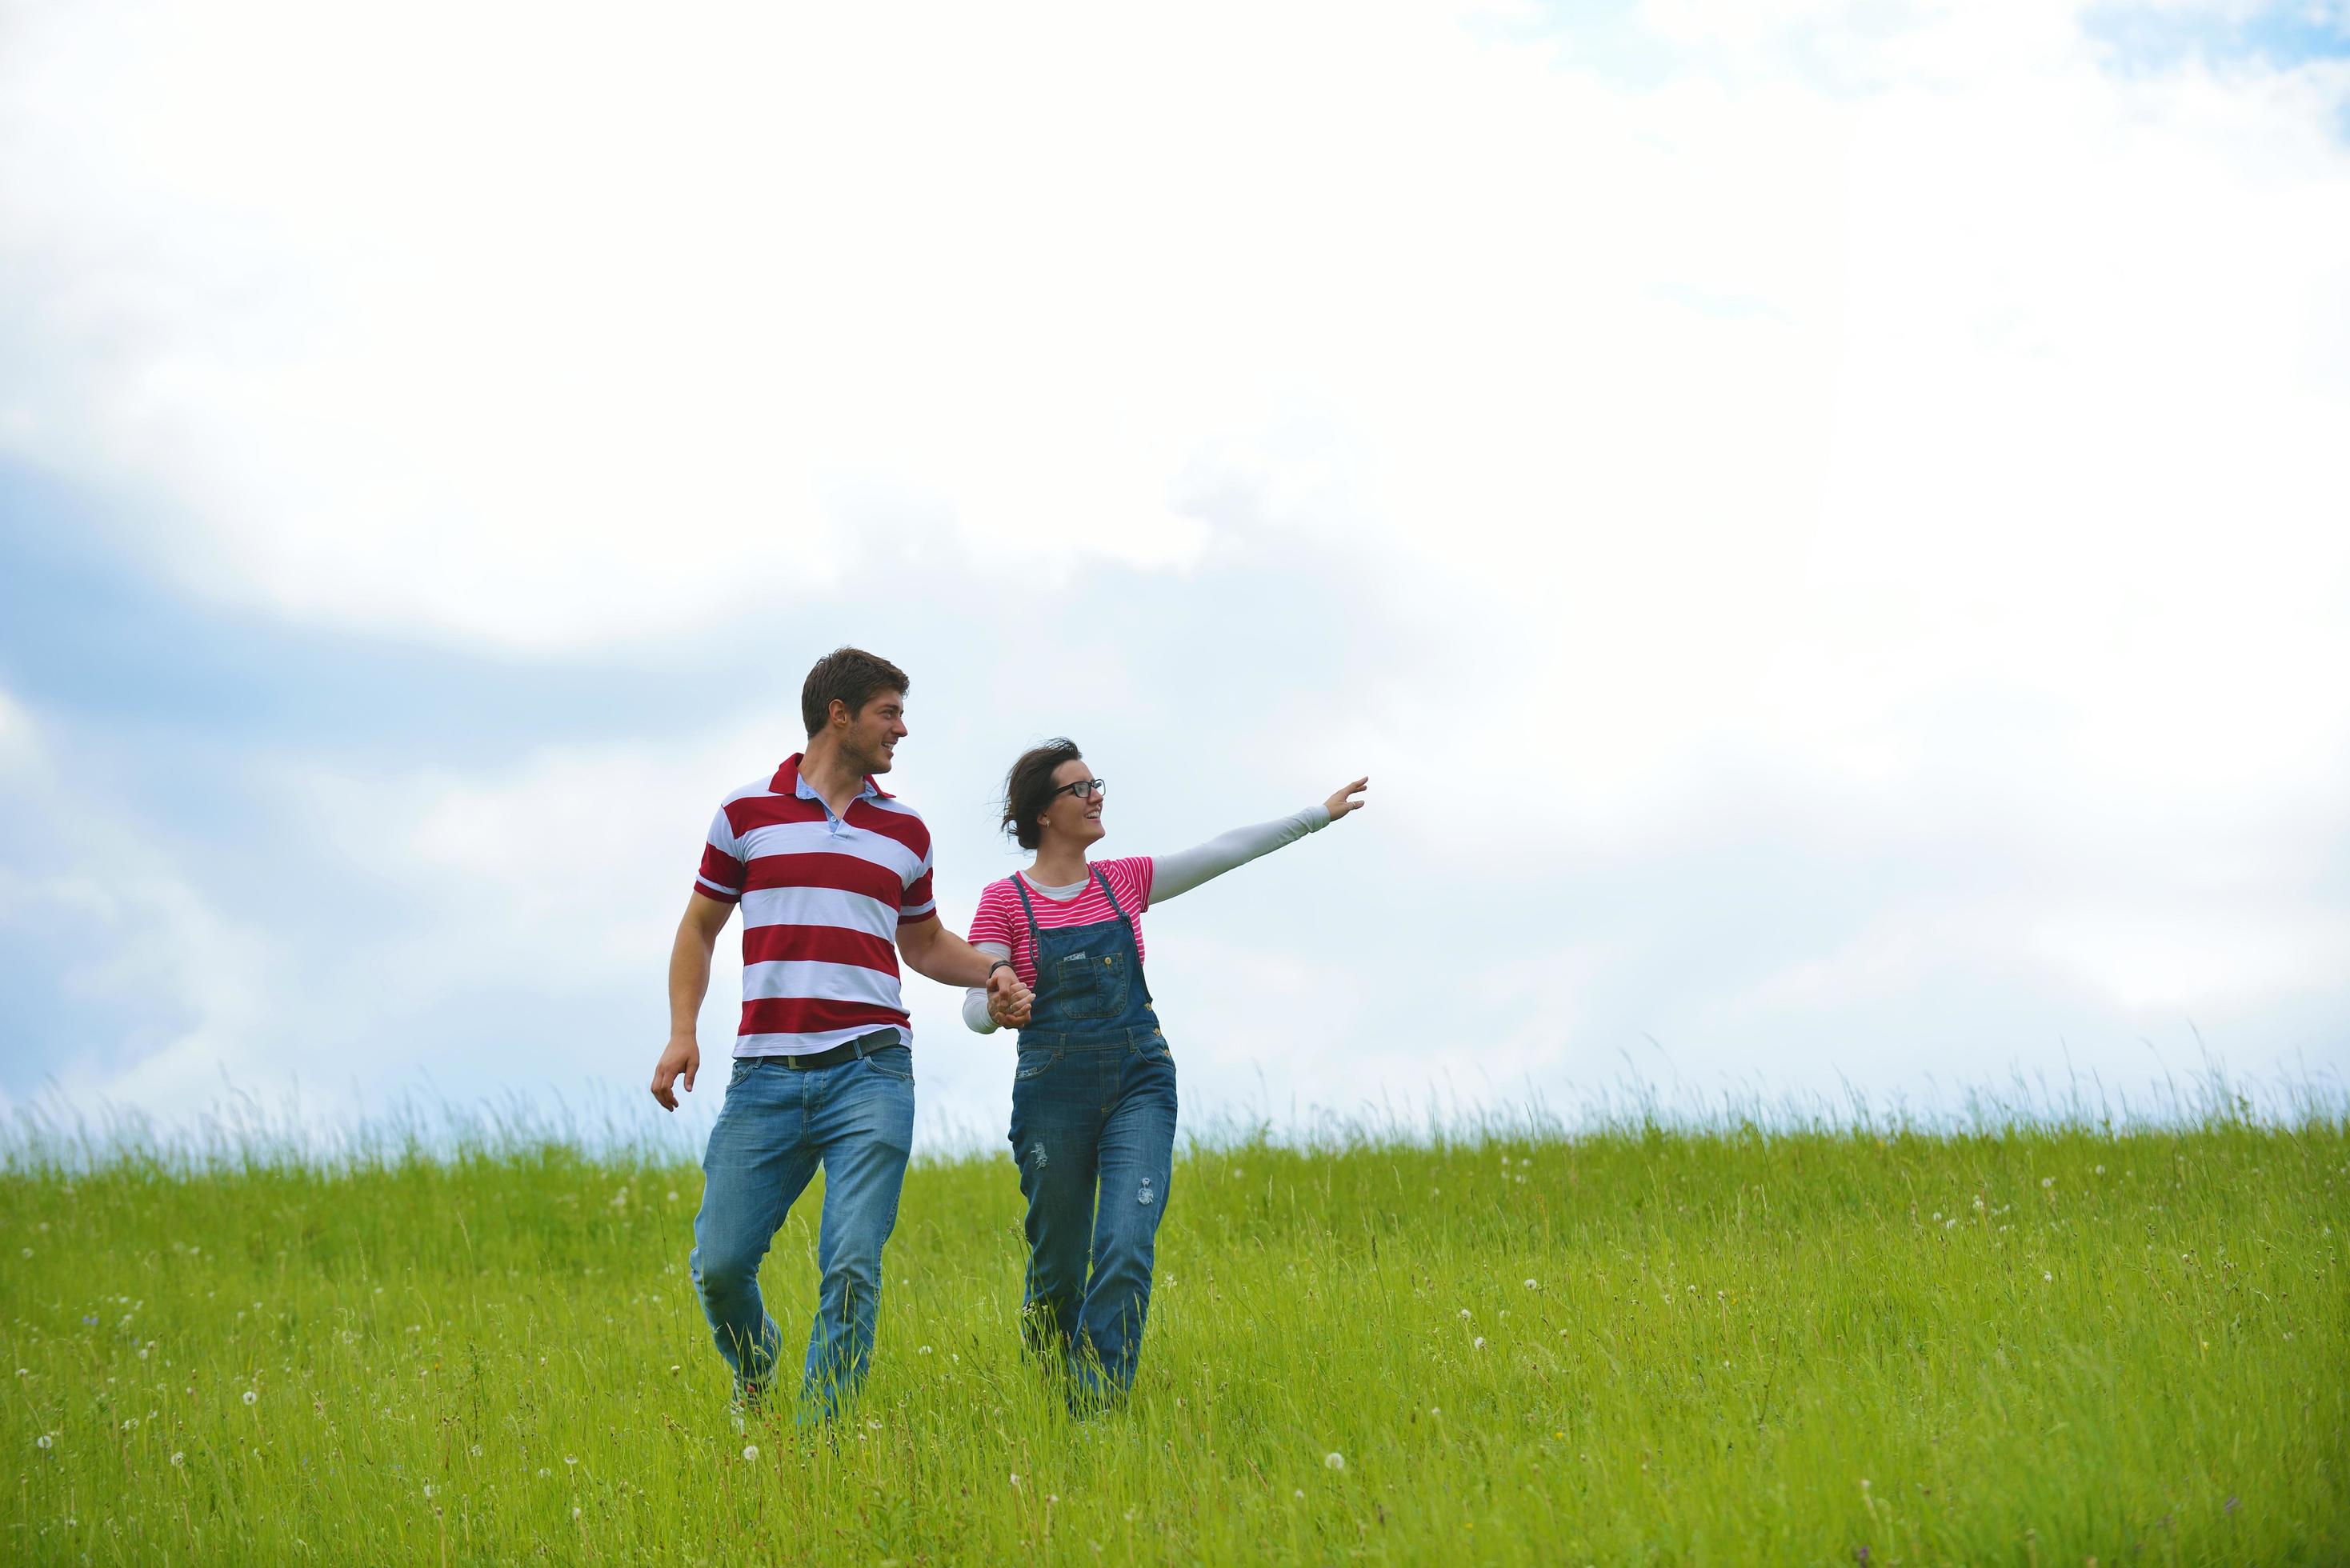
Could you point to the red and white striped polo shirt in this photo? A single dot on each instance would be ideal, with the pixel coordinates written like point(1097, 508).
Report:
point(822, 899)
point(1000, 917)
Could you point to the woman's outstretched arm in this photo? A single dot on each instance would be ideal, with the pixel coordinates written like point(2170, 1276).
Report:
point(1175, 873)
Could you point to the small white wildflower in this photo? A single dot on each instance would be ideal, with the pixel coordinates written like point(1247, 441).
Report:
point(1334, 1461)
point(2047, 1182)
point(924, 1350)
point(1480, 1343)
point(428, 1491)
point(1433, 1412)
point(575, 1511)
point(1299, 1494)
point(1016, 1479)
point(142, 1353)
point(178, 1459)
point(1464, 1315)
point(2049, 1277)
point(250, 1397)
point(1534, 1284)
point(673, 1195)
point(42, 1441)
point(544, 1472)
point(2101, 1170)
point(475, 1450)
point(569, 1460)
point(1051, 1497)
point(750, 1453)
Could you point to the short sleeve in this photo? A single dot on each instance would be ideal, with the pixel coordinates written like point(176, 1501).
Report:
point(721, 877)
point(1130, 875)
point(992, 921)
point(920, 903)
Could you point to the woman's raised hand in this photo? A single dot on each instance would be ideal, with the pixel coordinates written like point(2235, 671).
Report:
point(1343, 800)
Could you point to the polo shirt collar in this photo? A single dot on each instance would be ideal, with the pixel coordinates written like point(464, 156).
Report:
point(788, 781)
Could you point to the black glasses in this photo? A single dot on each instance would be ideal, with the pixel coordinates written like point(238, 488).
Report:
point(1084, 789)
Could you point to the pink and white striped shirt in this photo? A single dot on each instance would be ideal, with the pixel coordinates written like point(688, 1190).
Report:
point(1000, 917)
point(822, 899)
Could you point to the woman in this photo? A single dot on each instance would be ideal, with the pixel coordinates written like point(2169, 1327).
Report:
point(1092, 1099)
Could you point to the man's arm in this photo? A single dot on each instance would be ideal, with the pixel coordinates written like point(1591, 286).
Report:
point(936, 953)
point(689, 983)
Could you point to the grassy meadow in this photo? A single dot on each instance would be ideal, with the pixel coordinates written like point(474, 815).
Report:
point(2036, 1343)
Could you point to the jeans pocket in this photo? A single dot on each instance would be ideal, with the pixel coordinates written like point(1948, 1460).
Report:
point(743, 1067)
point(893, 1061)
point(1033, 1061)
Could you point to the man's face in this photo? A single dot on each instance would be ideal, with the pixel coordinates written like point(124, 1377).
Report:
point(873, 735)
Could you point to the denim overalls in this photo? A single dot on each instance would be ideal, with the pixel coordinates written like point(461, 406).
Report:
point(1092, 1099)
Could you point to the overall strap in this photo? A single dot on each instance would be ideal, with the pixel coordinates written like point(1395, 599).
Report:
point(1020, 887)
point(1114, 908)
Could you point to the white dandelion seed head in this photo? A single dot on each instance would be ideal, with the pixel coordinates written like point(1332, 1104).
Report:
point(1015, 1478)
point(2101, 1170)
point(1334, 1461)
point(1480, 1343)
point(43, 1441)
point(2049, 1277)
point(1464, 1315)
point(575, 1511)
point(250, 1397)
point(1299, 1493)
point(750, 1452)
point(179, 1458)
point(2047, 1181)
point(1534, 1284)
point(475, 1450)
point(570, 1460)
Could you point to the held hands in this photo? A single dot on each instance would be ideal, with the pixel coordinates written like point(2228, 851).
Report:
point(1007, 999)
point(1342, 800)
point(681, 1057)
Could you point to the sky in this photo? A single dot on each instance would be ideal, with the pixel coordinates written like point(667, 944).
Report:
point(1826, 525)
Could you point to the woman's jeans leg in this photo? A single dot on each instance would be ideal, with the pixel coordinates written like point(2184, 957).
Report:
point(1093, 1129)
point(1055, 1122)
point(1137, 1156)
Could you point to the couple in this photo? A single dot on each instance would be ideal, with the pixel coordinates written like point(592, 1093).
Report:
point(834, 876)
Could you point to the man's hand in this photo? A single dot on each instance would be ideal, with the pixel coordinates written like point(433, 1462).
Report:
point(1343, 800)
point(1007, 999)
point(681, 1057)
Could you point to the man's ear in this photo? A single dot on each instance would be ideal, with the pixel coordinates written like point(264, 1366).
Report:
point(836, 712)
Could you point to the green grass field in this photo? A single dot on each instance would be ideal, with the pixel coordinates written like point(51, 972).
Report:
point(2046, 1344)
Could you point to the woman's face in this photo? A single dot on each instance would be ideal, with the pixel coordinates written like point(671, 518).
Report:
point(1078, 820)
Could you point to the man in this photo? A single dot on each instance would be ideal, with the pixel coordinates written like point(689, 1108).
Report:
point(833, 877)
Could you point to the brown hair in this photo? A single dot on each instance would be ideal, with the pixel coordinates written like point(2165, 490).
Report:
point(853, 676)
point(1028, 787)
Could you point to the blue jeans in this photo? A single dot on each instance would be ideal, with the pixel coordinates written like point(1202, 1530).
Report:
point(856, 1120)
point(1089, 1119)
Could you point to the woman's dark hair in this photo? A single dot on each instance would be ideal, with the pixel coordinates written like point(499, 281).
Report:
point(1028, 787)
point(850, 674)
